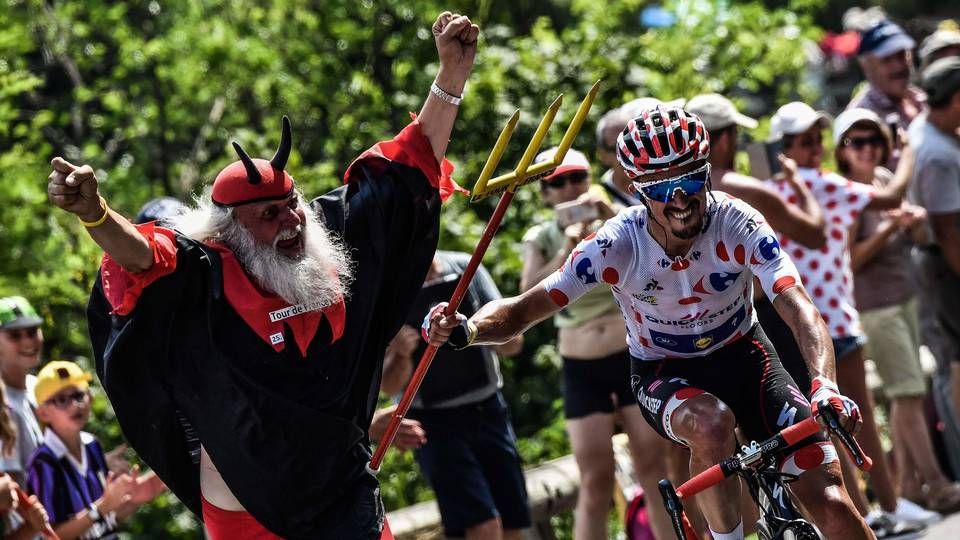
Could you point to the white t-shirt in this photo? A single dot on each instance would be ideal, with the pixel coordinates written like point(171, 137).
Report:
point(685, 306)
point(29, 434)
point(936, 180)
point(826, 272)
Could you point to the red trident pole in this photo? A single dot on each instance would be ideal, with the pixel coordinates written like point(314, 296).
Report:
point(507, 185)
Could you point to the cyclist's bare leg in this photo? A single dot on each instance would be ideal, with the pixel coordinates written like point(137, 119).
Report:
point(707, 425)
point(822, 494)
point(851, 378)
point(649, 451)
point(590, 439)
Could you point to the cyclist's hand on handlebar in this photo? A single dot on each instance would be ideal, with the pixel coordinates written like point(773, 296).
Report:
point(825, 390)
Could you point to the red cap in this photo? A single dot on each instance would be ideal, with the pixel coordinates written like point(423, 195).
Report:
point(255, 180)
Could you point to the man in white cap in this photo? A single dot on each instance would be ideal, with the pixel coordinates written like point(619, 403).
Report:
point(827, 274)
point(940, 44)
point(797, 215)
point(885, 56)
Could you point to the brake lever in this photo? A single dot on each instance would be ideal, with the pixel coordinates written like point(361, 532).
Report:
point(861, 459)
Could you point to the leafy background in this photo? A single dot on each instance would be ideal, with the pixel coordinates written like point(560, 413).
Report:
point(150, 93)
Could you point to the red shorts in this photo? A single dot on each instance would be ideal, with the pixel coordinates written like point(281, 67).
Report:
point(240, 525)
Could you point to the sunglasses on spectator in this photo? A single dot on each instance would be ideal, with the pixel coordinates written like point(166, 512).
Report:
point(21, 333)
point(689, 183)
point(62, 401)
point(559, 182)
point(857, 143)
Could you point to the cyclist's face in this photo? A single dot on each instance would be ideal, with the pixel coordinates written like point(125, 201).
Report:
point(683, 213)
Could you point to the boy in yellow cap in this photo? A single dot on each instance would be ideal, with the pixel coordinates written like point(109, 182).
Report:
point(69, 472)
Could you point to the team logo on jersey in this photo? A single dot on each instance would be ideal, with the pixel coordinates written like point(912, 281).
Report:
point(751, 225)
point(665, 341)
point(604, 244)
point(716, 282)
point(646, 298)
point(703, 342)
point(696, 255)
point(585, 272)
point(769, 248)
point(652, 285)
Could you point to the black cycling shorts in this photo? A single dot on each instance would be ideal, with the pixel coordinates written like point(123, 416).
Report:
point(746, 375)
point(589, 386)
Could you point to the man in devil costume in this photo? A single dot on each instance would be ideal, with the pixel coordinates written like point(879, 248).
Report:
point(242, 349)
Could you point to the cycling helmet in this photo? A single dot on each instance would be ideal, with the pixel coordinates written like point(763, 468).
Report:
point(659, 139)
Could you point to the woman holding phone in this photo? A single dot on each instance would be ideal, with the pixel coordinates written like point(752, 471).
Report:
point(592, 343)
point(886, 299)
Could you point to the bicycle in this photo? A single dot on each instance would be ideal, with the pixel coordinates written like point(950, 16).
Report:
point(756, 464)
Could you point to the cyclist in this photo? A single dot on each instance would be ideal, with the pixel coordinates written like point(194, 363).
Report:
point(681, 268)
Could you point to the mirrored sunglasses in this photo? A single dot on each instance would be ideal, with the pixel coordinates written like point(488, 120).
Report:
point(690, 183)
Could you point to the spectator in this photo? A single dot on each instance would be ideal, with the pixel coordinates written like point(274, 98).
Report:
point(470, 453)
point(940, 44)
point(885, 57)
point(19, 519)
point(68, 472)
point(886, 299)
point(936, 187)
point(827, 276)
point(21, 344)
point(596, 364)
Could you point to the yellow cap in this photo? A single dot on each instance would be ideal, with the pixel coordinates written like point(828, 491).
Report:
point(58, 375)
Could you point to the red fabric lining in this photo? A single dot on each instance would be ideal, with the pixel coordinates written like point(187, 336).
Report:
point(255, 306)
point(233, 525)
point(412, 148)
point(123, 288)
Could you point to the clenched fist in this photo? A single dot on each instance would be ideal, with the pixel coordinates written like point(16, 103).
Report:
point(74, 189)
point(456, 39)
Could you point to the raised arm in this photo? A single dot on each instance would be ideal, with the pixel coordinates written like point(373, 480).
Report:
point(75, 189)
point(456, 39)
point(802, 222)
point(891, 195)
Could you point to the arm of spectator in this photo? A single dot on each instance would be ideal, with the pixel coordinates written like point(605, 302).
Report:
point(946, 229)
point(456, 41)
point(863, 251)
point(398, 360)
point(75, 189)
point(116, 494)
point(914, 220)
point(34, 520)
point(802, 222)
point(117, 461)
point(8, 492)
point(145, 488)
point(410, 434)
point(891, 195)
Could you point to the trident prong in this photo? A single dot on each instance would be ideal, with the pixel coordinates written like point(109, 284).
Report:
point(519, 177)
point(494, 159)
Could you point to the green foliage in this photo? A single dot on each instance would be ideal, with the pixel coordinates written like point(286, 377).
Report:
point(150, 93)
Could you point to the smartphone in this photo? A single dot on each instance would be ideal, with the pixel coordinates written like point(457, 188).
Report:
point(572, 212)
point(763, 159)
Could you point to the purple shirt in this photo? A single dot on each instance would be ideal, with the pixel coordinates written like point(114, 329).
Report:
point(65, 486)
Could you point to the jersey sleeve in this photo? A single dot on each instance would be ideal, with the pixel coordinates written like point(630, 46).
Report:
point(123, 288)
point(770, 264)
point(601, 257)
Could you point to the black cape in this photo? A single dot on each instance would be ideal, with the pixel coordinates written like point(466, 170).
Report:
point(287, 433)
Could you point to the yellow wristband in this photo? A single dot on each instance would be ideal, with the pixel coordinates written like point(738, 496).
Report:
point(97, 223)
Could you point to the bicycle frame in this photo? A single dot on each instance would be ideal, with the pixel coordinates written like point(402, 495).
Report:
point(757, 464)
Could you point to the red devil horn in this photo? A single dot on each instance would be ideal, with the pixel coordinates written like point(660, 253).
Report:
point(279, 160)
point(253, 175)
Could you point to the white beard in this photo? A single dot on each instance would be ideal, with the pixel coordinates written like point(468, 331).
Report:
point(321, 276)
